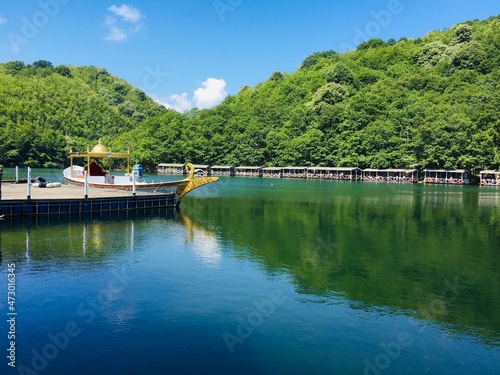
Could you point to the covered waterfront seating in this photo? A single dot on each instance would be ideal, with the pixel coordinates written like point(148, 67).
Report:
point(334, 173)
point(169, 168)
point(201, 169)
point(441, 176)
point(489, 178)
point(248, 171)
point(272, 172)
point(390, 175)
point(221, 170)
point(294, 172)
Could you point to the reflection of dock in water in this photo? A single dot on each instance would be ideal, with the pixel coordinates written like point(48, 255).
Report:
point(94, 234)
point(205, 243)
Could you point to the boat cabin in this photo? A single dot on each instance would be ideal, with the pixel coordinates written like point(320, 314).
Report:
point(95, 169)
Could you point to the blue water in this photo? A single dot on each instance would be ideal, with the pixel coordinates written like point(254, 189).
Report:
point(263, 277)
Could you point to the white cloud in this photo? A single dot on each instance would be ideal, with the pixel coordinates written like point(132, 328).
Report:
point(177, 102)
point(127, 12)
point(3, 20)
point(116, 34)
point(110, 21)
point(212, 93)
point(124, 21)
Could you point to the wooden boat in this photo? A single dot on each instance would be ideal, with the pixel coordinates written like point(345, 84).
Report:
point(96, 177)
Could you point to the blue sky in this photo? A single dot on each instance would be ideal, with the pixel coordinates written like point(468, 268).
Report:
point(195, 52)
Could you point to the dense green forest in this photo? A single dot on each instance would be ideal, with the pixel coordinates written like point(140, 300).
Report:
point(45, 111)
point(430, 102)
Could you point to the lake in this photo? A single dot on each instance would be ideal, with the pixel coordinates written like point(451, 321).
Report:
point(261, 276)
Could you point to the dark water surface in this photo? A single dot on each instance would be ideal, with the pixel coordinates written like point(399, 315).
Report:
point(260, 276)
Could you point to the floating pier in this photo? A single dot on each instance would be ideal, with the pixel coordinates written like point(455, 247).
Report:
point(70, 200)
point(272, 172)
point(489, 178)
point(334, 173)
point(441, 176)
point(390, 175)
point(170, 168)
point(294, 172)
point(248, 171)
point(397, 175)
point(221, 170)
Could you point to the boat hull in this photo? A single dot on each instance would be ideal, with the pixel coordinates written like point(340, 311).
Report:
point(74, 175)
point(143, 186)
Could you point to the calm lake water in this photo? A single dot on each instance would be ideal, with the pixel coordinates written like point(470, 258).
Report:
point(260, 276)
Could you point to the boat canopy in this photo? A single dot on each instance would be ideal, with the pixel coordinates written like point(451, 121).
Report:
point(100, 151)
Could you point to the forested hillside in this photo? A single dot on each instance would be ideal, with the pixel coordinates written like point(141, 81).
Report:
point(46, 110)
point(427, 102)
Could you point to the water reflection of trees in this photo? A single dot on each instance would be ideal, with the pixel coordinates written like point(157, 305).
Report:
point(390, 251)
point(96, 237)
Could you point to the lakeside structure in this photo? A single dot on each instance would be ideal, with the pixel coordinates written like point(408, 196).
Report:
point(334, 173)
point(390, 175)
point(170, 168)
point(395, 175)
point(221, 170)
point(442, 176)
point(248, 171)
point(294, 172)
point(489, 178)
point(272, 172)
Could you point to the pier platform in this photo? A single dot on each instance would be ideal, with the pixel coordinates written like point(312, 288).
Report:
point(69, 199)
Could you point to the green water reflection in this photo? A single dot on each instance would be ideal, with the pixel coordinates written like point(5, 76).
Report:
point(430, 252)
point(427, 252)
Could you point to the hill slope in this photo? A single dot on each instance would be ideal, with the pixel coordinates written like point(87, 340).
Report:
point(430, 102)
point(427, 102)
point(45, 110)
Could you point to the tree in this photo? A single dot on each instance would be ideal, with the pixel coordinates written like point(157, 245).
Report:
point(276, 76)
point(340, 73)
point(372, 43)
point(463, 33)
point(40, 64)
point(13, 67)
point(331, 93)
point(63, 70)
point(468, 56)
point(432, 53)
